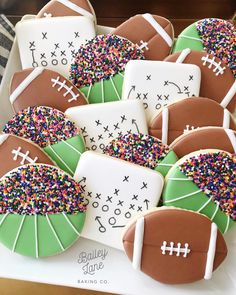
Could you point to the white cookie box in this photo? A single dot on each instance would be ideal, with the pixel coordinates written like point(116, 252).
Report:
point(91, 265)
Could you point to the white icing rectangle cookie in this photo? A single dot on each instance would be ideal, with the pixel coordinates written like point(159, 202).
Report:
point(158, 83)
point(52, 42)
point(115, 191)
point(100, 123)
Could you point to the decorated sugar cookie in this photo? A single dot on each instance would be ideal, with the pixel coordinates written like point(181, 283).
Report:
point(158, 83)
point(217, 80)
point(185, 115)
point(204, 181)
point(52, 131)
point(143, 150)
point(115, 191)
point(16, 151)
point(174, 246)
point(99, 65)
point(67, 8)
point(39, 86)
point(42, 210)
point(205, 138)
point(212, 35)
point(154, 34)
point(100, 123)
point(41, 43)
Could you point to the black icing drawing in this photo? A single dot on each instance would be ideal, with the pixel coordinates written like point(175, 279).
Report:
point(109, 199)
point(76, 34)
point(132, 89)
point(134, 122)
point(190, 78)
point(42, 55)
point(146, 201)
point(144, 185)
point(135, 197)
point(44, 35)
point(70, 44)
point(120, 203)
point(123, 118)
point(148, 77)
point(101, 228)
point(126, 179)
point(57, 46)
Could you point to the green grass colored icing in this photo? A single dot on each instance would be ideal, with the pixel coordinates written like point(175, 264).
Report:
point(47, 243)
point(177, 188)
point(105, 91)
point(170, 160)
point(183, 42)
point(66, 154)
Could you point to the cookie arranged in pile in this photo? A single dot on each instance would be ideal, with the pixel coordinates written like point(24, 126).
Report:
point(101, 120)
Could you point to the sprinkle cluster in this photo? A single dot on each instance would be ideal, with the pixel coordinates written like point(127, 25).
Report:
point(140, 149)
point(102, 57)
point(40, 189)
point(215, 174)
point(219, 39)
point(43, 125)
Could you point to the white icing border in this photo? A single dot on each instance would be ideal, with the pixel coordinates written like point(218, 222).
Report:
point(3, 138)
point(76, 8)
point(165, 121)
point(226, 119)
point(149, 18)
point(231, 137)
point(211, 252)
point(184, 53)
point(25, 83)
point(230, 94)
point(138, 243)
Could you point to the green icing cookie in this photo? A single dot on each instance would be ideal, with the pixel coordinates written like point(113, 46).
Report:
point(52, 131)
point(143, 150)
point(66, 154)
point(42, 210)
point(99, 66)
point(188, 38)
point(203, 183)
point(105, 91)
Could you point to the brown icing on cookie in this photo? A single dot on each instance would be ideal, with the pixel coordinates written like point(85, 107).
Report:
point(205, 138)
point(189, 114)
point(217, 80)
point(173, 246)
point(151, 32)
point(16, 151)
point(66, 8)
point(43, 87)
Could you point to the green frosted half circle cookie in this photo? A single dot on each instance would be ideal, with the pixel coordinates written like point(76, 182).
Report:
point(98, 67)
point(204, 182)
point(51, 130)
point(42, 210)
point(144, 150)
point(212, 35)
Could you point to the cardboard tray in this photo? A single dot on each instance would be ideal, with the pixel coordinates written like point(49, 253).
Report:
point(91, 265)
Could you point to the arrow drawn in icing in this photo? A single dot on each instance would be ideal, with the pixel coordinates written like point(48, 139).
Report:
point(132, 89)
point(136, 125)
point(101, 228)
point(146, 201)
point(168, 82)
point(82, 180)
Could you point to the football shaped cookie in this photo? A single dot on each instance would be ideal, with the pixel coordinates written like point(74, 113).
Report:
point(99, 64)
point(212, 35)
point(52, 131)
point(42, 87)
point(205, 138)
point(154, 34)
point(16, 151)
point(204, 181)
point(174, 246)
point(42, 210)
point(185, 115)
point(217, 80)
point(143, 150)
point(67, 8)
